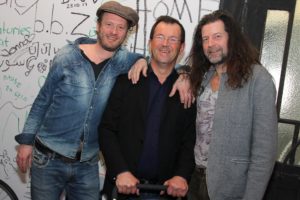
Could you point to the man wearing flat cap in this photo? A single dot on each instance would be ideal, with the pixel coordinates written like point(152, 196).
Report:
point(123, 11)
point(59, 142)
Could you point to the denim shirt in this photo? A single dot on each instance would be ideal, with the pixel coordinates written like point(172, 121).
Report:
point(71, 101)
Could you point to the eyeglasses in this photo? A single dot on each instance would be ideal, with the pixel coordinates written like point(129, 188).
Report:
point(162, 38)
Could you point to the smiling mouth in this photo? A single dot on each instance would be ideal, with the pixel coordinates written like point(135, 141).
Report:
point(164, 50)
point(112, 38)
point(213, 50)
point(214, 53)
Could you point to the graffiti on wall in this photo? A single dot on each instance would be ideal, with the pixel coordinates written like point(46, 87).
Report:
point(33, 31)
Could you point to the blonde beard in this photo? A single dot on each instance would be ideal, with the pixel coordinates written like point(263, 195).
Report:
point(107, 48)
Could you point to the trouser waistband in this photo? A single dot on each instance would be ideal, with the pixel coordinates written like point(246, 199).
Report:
point(47, 151)
point(200, 170)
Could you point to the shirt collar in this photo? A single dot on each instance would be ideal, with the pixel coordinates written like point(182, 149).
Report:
point(172, 75)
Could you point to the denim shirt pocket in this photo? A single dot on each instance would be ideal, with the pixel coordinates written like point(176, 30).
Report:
point(76, 75)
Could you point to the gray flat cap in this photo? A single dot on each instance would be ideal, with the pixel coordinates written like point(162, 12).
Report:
point(118, 9)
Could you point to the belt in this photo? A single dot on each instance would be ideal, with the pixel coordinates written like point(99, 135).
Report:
point(45, 150)
point(200, 170)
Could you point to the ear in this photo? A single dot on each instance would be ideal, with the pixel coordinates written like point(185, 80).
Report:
point(149, 46)
point(182, 46)
point(98, 25)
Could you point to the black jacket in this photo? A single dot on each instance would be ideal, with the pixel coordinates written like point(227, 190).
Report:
point(121, 133)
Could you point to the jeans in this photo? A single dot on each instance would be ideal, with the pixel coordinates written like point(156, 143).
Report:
point(51, 176)
point(197, 186)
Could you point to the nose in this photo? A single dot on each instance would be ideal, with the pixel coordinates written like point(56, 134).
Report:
point(165, 42)
point(114, 29)
point(210, 42)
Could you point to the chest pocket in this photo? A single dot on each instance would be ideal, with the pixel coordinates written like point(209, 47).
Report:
point(77, 75)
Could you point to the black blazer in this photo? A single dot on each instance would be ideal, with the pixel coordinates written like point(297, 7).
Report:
point(121, 132)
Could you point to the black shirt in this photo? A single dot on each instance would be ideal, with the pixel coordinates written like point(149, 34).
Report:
point(148, 164)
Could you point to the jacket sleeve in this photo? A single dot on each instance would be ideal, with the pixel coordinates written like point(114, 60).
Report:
point(264, 136)
point(127, 59)
point(108, 129)
point(186, 158)
point(40, 106)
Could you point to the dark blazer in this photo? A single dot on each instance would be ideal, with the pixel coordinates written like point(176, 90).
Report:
point(121, 132)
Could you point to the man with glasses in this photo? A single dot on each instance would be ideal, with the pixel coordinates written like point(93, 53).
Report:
point(145, 136)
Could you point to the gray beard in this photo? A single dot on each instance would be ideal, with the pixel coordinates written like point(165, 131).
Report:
point(222, 61)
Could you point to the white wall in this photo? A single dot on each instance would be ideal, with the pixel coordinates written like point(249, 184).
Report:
point(32, 31)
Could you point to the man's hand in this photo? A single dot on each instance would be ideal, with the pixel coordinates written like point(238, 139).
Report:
point(126, 183)
point(183, 86)
point(24, 157)
point(139, 67)
point(177, 186)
